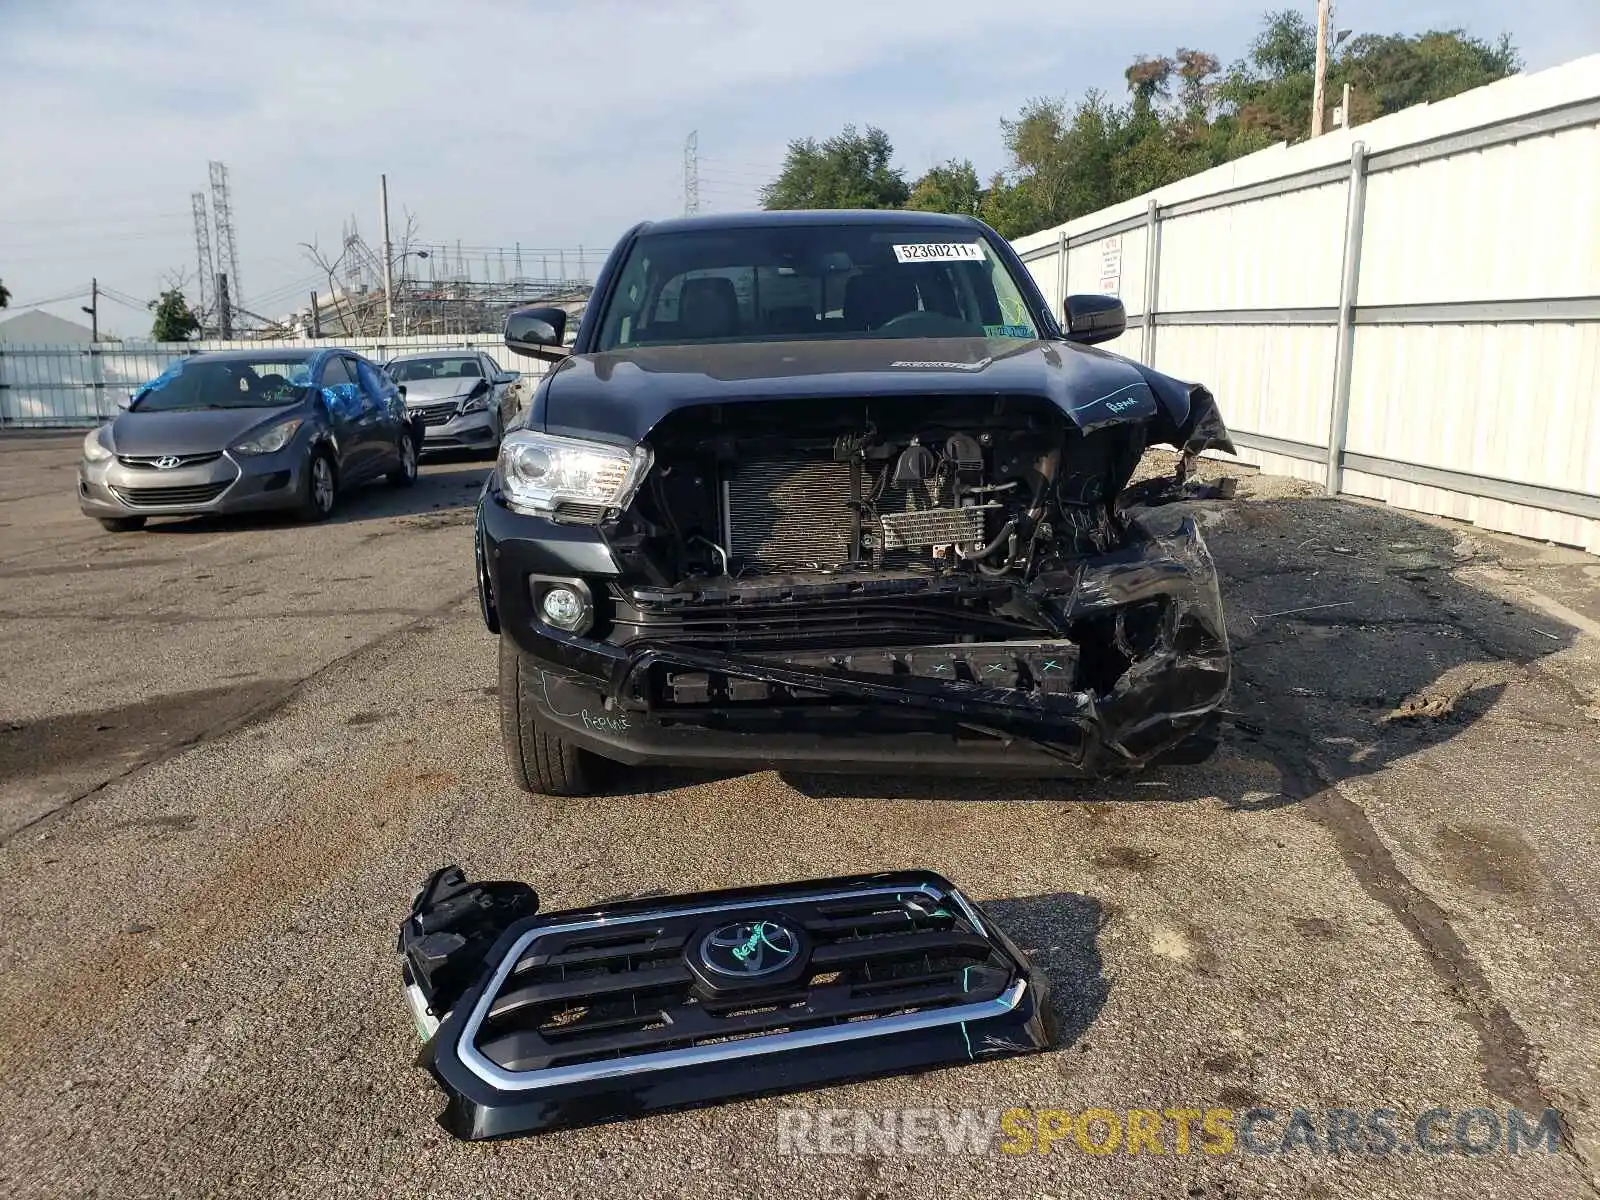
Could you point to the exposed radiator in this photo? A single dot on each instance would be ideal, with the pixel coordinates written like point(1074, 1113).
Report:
point(794, 514)
point(789, 514)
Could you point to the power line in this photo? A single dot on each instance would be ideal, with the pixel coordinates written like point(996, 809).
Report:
point(101, 221)
point(125, 300)
point(81, 292)
point(739, 162)
point(720, 173)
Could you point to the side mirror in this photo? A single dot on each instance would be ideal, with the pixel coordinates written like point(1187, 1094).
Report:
point(537, 333)
point(401, 388)
point(1091, 319)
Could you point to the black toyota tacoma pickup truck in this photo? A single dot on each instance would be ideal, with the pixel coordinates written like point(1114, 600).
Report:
point(836, 491)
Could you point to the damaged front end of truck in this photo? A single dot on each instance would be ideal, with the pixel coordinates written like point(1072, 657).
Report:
point(952, 579)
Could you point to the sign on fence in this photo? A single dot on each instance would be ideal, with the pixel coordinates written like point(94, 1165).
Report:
point(1111, 265)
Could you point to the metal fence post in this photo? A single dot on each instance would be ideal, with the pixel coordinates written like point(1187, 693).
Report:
point(1152, 278)
point(97, 382)
point(1061, 278)
point(1344, 346)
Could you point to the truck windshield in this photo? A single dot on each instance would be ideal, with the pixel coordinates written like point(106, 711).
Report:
point(789, 282)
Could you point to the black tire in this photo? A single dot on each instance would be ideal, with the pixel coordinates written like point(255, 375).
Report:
point(406, 473)
point(121, 524)
point(319, 493)
point(540, 761)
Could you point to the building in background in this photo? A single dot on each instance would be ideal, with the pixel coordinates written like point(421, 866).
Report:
point(37, 328)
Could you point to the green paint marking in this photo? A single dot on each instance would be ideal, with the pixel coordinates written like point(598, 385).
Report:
point(758, 935)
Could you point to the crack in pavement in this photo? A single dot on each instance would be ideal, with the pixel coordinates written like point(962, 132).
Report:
point(1505, 1052)
point(265, 708)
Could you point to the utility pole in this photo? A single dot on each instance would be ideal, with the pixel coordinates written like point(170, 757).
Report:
point(388, 259)
point(1320, 79)
point(691, 174)
point(224, 307)
point(316, 316)
point(94, 310)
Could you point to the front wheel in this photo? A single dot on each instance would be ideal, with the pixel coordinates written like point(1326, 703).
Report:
point(405, 474)
point(540, 760)
point(121, 524)
point(316, 502)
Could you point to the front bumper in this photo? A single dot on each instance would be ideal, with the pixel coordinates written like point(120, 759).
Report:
point(445, 429)
point(223, 483)
point(963, 707)
point(534, 1022)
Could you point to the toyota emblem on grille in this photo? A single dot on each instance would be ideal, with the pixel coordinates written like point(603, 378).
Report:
point(167, 461)
point(747, 949)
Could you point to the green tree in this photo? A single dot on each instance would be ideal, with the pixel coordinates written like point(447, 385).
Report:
point(951, 188)
point(1270, 92)
point(1394, 72)
point(849, 170)
point(5, 296)
point(174, 321)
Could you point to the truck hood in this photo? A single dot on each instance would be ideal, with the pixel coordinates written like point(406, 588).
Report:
point(622, 395)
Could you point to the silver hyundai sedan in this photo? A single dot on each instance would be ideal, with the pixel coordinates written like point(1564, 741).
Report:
point(245, 430)
point(464, 399)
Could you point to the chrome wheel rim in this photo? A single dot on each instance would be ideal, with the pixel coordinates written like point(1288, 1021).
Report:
point(408, 457)
point(321, 484)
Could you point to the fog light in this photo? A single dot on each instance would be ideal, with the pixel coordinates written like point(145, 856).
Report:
point(565, 609)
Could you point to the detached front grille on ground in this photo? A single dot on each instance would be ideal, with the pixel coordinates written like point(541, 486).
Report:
point(583, 1016)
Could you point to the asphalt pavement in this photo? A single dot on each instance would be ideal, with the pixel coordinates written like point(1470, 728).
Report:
point(230, 750)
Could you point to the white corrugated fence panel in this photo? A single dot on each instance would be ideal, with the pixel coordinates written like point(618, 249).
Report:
point(1271, 380)
point(1515, 402)
point(1512, 222)
point(1281, 252)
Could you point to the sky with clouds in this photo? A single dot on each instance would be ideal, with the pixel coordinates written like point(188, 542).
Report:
point(552, 125)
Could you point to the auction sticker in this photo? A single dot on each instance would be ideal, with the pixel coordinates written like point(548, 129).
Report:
point(939, 252)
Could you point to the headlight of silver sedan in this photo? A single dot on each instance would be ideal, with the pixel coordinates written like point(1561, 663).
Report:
point(97, 445)
point(539, 472)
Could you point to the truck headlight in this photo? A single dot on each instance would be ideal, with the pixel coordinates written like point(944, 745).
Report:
point(97, 445)
point(270, 439)
point(539, 471)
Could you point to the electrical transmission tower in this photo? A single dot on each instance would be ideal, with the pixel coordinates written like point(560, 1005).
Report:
point(205, 284)
point(227, 250)
point(691, 174)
